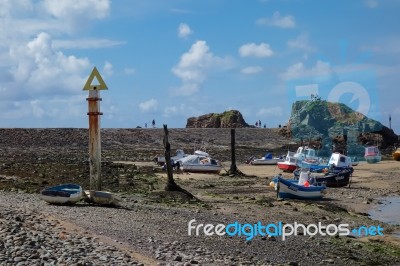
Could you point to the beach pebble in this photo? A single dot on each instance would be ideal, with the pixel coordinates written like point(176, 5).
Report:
point(29, 239)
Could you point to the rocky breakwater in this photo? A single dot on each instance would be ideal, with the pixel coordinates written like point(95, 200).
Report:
point(29, 238)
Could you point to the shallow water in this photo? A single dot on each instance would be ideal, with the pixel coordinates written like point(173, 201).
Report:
point(388, 211)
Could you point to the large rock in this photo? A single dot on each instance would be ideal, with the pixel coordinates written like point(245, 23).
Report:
point(228, 119)
point(336, 123)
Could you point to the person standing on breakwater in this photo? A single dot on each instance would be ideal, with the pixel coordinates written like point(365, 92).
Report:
point(153, 123)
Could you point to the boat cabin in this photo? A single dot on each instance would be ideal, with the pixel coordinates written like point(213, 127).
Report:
point(268, 156)
point(370, 151)
point(305, 152)
point(339, 160)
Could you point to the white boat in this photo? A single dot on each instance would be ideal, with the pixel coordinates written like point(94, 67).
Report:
point(200, 162)
point(339, 160)
point(179, 155)
point(307, 155)
point(372, 154)
point(289, 164)
point(267, 160)
point(62, 194)
point(102, 197)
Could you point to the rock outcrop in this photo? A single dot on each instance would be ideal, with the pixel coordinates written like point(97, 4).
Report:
point(337, 126)
point(228, 119)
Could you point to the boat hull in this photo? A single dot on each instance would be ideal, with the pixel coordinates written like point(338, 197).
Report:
point(372, 154)
point(102, 197)
point(340, 179)
point(373, 159)
point(287, 167)
point(288, 189)
point(62, 194)
point(265, 162)
point(197, 168)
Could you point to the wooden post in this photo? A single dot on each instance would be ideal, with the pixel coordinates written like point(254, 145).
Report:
point(94, 127)
point(94, 139)
point(233, 168)
point(171, 185)
point(167, 155)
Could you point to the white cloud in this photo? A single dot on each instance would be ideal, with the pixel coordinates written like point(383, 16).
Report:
point(148, 106)
point(85, 44)
point(301, 42)
point(277, 20)
point(129, 71)
point(194, 65)
point(37, 110)
point(252, 70)
point(298, 70)
point(76, 9)
point(37, 69)
point(108, 68)
point(252, 49)
point(170, 111)
point(186, 89)
point(49, 108)
point(36, 74)
point(387, 45)
point(271, 111)
point(372, 3)
point(184, 31)
point(183, 110)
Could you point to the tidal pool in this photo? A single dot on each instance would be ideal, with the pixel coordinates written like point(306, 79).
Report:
point(388, 211)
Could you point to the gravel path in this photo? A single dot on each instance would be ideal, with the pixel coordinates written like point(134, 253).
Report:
point(30, 238)
point(157, 232)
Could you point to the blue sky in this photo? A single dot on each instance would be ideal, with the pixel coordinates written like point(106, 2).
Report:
point(170, 60)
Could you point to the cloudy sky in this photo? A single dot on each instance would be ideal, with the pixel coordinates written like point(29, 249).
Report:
point(170, 60)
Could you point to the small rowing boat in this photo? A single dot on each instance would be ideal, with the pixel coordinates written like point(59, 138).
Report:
point(62, 194)
point(102, 198)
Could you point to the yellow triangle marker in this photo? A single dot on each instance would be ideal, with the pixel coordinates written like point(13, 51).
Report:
point(95, 74)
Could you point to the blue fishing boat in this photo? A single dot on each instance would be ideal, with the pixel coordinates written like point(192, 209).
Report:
point(62, 194)
point(292, 190)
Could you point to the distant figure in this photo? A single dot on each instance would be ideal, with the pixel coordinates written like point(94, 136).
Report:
point(257, 124)
point(265, 125)
point(145, 125)
point(153, 123)
point(279, 126)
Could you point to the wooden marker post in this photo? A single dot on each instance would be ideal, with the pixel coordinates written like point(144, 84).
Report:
point(94, 128)
point(233, 168)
